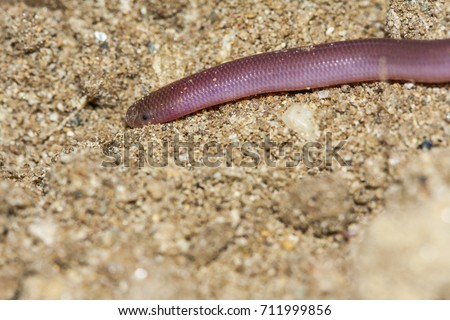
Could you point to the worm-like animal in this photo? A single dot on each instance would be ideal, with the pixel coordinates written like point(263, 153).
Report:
point(426, 61)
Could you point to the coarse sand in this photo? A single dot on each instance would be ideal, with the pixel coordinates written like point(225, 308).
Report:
point(227, 203)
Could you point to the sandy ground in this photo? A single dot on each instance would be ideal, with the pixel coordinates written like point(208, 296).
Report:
point(85, 212)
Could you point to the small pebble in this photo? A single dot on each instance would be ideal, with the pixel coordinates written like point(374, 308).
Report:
point(140, 273)
point(300, 118)
point(409, 85)
point(426, 145)
point(324, 94)
point(151, 47)
point(100, 36)
point(44, 230)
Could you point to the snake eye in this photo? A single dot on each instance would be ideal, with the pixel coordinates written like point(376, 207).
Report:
point(145, 117)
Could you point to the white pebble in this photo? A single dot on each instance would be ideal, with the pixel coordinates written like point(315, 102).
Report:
point(301, 119)
point(100, 36)
point(409, 85)
point(53, 117)
point(45, 230)
point(121, 188)
point(235, 217)
point(143, 11)
point(140, 273)
point(125, 6)
point(324, 94)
